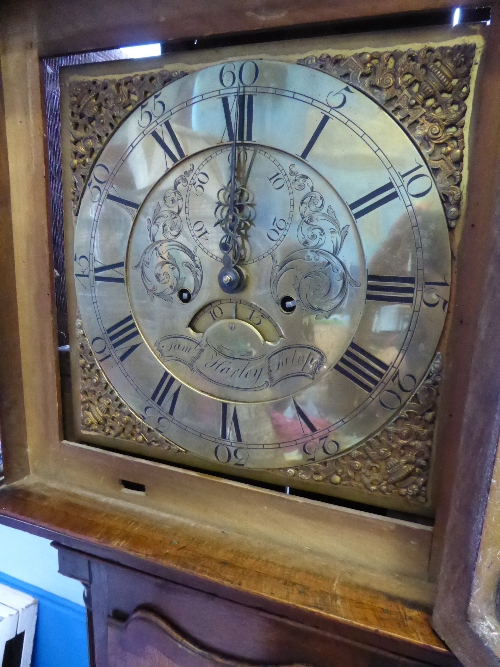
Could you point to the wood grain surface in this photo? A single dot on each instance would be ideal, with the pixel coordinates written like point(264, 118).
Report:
point(12, 408)
point(69, 26)
point(255, 574)
point(146, 639)
point(472, 400)
point(305, 587)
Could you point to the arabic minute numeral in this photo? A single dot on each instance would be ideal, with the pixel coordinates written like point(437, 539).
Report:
point(339, 99)
point(390, 399)
point(432, 294)
point(98, 178)
point(416, 187)
point(118, 335)
point(201, 181)
point(277, 181)
point(316, 448)
point(247, 74)
point(82, 265)
point(278, 225)
point(200, 230)
point(236, 456)
point(158, 421)
point(373, 200)
point(99, 347)
point(145, 116)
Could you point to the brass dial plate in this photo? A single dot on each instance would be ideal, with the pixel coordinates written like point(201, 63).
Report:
point(344, 219)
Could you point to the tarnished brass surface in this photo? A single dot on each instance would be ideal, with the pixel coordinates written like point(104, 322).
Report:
point(103, 412)
point(96, 107)
point(387, 463)
point(394, 462)
point(426, 91)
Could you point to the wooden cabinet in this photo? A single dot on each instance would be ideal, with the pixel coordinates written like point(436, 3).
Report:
point(186, 569)
point(138, 619)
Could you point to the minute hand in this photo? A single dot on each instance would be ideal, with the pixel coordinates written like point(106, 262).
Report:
point(231, 277)
point(232, 185)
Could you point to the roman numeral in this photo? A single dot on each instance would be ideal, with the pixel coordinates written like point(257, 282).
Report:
point(162, 391)
point(230, 424)
point(244, 130)
point(391, 289)
point(175, 157)
point(124, 202)
point(303, 418)
point(314, 138)
point(99, 272)
point(361, 367)
point(122, 332)
point(373, 200)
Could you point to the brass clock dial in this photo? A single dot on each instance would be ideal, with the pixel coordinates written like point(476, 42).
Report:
point(325, 209)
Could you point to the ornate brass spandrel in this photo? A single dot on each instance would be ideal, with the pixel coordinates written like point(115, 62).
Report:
point(102, 410)
point(396, 460)
point(96, 107)
point(425, 91)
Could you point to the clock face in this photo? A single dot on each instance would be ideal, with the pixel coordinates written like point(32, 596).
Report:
point(342, 254)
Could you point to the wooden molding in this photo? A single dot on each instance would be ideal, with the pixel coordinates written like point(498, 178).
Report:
point(300, 584)
point(471, 432)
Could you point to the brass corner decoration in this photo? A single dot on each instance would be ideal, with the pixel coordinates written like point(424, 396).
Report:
point(425, 91)
point(396, 460)
point(96, 108)
point(102, 410)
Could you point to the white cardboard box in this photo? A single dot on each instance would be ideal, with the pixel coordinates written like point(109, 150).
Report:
point(17, 616)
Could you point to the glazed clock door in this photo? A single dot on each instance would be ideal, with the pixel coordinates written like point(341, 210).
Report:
point(262, 265)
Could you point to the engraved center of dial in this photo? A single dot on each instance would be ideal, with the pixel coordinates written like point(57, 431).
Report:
point(305, 277)
point(264, 201)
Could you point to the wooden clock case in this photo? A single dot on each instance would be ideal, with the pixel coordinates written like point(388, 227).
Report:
point(218, 569)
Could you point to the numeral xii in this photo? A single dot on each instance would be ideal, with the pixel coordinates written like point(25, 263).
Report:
point(244, 118)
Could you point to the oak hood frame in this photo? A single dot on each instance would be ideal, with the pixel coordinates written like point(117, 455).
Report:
point(41, 471)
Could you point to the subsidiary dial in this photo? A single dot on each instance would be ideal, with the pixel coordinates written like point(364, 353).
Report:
point(264, 201)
